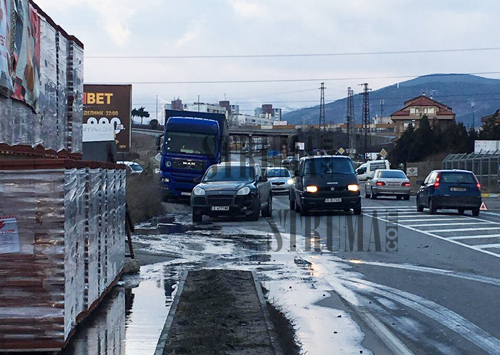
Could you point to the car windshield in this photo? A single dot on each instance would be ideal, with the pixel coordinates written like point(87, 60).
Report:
point(328, 166)
point(190, 143)
point(457, 178)
point(229, 173)
point(392, 174)
point(278, 173)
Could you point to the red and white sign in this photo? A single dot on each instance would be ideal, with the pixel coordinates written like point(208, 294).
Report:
point(9, 235)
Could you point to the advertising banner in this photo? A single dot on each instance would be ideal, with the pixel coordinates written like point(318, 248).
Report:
point(109, 104)
point(5, 38)
point(9, 235)
point(26, 53)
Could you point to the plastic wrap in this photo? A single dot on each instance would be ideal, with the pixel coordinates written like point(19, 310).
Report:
point(62, 91)
point(47, 102)
point(77, 107)
point(67, 249)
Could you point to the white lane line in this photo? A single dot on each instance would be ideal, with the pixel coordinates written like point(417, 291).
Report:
point(487, 246)
point(476, 236)
point(434, 219)
point(462, 230)
point(446, 224)
point(430, 270)
point(440, 314)
point(490, 213)
point(430, 234)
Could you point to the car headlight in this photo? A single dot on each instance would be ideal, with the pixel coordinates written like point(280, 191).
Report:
point(289, 181)
point(312, 189)
point(353, 188)
point(165, 180)
point(198, 191)
point(243, 191)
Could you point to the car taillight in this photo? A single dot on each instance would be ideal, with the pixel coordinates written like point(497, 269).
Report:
point(478, 185)
point(380, 183)
point(406, 184)
point(436, 184)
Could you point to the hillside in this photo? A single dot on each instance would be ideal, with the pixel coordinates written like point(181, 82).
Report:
point(454, 90)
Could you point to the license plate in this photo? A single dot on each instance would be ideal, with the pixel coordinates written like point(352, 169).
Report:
point(394, 184)
point(185, 193)
point(333, 200)
point(220, 208)
point(458, 189)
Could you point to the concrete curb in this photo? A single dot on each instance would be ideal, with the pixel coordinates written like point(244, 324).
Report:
point(162, 341)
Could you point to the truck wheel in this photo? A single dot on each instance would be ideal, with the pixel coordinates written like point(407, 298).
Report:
point(357, 211)
point(254, 216)
point(268, 210)
point(475, 212)
point(197, 215)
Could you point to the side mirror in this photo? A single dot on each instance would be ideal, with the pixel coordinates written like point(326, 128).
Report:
point(197, 180)
point(262, 179)
point(158, 142)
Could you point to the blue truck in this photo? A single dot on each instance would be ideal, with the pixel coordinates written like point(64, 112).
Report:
point(192, 142)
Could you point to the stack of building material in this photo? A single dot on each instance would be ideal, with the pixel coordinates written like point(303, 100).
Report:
point(49, 248)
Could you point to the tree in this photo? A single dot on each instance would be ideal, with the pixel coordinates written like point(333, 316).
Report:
point(141, 112)
point(491, 128)
point(153, 124)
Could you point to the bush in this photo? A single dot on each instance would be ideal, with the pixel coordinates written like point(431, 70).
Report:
point(143, 196)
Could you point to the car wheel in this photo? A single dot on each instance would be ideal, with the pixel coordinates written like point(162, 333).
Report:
point(367, 195)
point(407, 197)
point(374, 196)
point(420, 208)
point(197, 215)
point(399, 197)
point(268, 210)
point(347, 210)
point(475, 212)
point(254, 216)
point(357, 211)
point(461, 211)
point(432, 206)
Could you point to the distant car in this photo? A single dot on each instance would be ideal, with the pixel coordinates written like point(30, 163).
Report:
point(450, 189)
point(386, 182)
point(232, 189)
point(325, 183)
point(280, 179)
point(288, 160)
point(132, 167)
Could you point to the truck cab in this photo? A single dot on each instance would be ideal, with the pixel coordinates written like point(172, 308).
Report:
point(190, 146)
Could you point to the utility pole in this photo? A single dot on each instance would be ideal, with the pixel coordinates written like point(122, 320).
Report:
point(473, 104)
point(157, 119)
point(366, 120)
point(322, 116)
point(382, 102)
point(351, 144)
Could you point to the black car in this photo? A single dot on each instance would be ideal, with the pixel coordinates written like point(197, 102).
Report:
point(450, 189)
point(325, 183)
point(232, 189)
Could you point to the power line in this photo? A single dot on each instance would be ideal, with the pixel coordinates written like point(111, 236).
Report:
point(285, 80)
point(345, 54)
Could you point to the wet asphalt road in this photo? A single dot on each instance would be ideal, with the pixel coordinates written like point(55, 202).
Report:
point(437, 294)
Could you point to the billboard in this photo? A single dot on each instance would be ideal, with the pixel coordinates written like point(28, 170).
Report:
point(5, 33)
point(109, 105)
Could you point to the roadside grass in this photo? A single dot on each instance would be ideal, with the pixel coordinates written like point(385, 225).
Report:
point(143, 197)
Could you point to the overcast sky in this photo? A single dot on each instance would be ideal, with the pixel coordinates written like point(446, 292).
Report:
point(275, 27)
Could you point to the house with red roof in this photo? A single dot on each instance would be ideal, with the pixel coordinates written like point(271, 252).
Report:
point(438, 114)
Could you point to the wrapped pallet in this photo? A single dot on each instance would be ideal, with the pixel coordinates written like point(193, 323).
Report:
point(51, 245)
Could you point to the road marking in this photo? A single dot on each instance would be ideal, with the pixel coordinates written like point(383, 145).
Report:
point(476, 236)
point(443, 315)
point(435, 219)
point(487, 246)
point(446, 224)
point(431, 234)
point(462, 230)
point(491, 213)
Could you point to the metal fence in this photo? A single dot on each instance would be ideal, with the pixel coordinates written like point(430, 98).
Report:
point(484, 165)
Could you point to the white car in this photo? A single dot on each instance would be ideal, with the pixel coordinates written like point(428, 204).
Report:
point(132, 167)
point(281, 180)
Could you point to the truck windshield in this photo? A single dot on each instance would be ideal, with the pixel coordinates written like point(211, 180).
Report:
point(190, 143)
point(278, 173)
point(229, 173)
point(328, 166)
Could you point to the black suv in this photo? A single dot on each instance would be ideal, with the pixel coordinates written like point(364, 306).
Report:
point(325, 183)
point(232, 189)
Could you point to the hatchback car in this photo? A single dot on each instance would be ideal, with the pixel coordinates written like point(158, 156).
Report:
point(325, 183)
point(386, 182)
point(450, 189)
point(132, 167)
point(232, 189)
point(280, 179)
